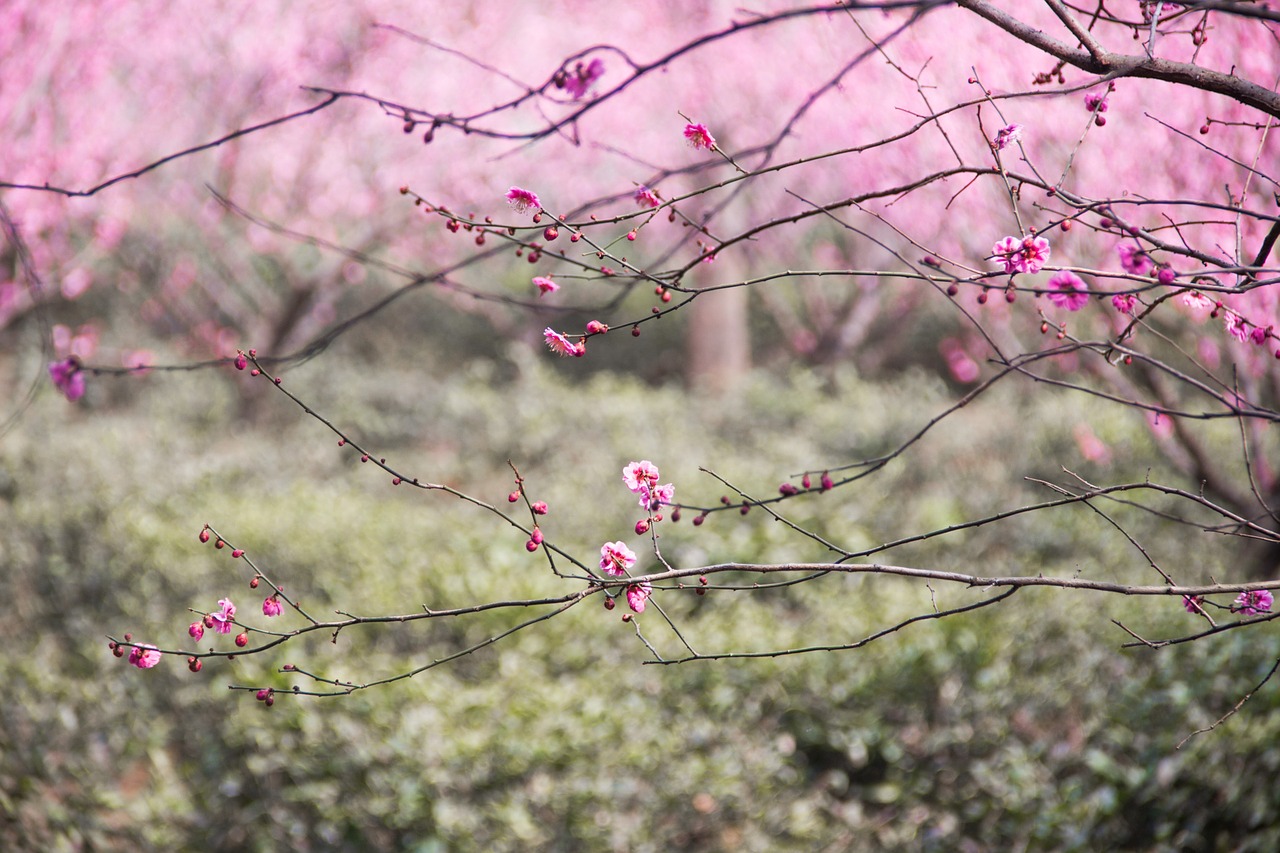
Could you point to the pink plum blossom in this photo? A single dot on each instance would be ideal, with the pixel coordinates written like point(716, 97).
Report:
point(1253, 602)
point(1196, 299)
point(1236, 326)
point(1007, 250)
point(652, 498)
point(222, 620)
point(1068, 291)
point(196, 630)
point(1191, 603)
point(646, 197)
point(1035, 254)
point(144, 656)
point(68, 377)
point(561, 345)
point(271, 606)
point(523, 200)
point(640, 475)
point(545, 285)
point(616, 558)
point(1093, 102)
point(1124, 302)
point(580, 81)
point(1134, 260)
point(1008, 135)
point(638, 596)
point(698, 136)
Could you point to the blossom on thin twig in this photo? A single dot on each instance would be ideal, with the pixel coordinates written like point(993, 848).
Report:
point(1253, 602)
point(68, 377)
point(638, 596)
point(1008, 135)
point(144, 656)
point(561, 345)
point(545, 285)
point(523, 200)
point(1028, 255)
point(698, 136)
point(580, 81)
point(1068, 291)
point(640, 475)
point(222, 620)
point(646, 197)
point(271, 606)
point(616, 558)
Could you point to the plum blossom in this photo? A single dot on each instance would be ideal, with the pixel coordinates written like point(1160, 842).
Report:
point(1192, 603)
point(1008, 135)
point(1253, 602)
point(222, 620)
point(616, 558)
point(68, 377)
point(1027, 255)
point(646, 197)
point(561, 345)
point(1035, 254)
point(698, 136)
point(638, 596)
point(1125, 303)
point(196, 630)
point(1236, 326)
point(1196, 299)
point(640, 475)
point(545, 285)
point(580, 81)
point(1259, 335)
point(1134, 260)
point(144, 656)
point(652, 498)
point(523, 200)
point(1068, 291)
point(1093, 102)
point(271, 606)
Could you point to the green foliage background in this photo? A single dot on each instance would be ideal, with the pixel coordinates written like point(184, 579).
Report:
point(1019, 727)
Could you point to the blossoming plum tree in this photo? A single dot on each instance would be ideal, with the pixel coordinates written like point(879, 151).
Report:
point(1036, 173)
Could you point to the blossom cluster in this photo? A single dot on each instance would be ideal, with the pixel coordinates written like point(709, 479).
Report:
point(1251, 603)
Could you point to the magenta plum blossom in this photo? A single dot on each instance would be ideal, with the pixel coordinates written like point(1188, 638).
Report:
point(1259, 335)
point(646, 197)
point(698, 136)
point(144, 656)
point(196, 630)
point(561, 345)
point(616, 558)
point(652, 498)
point(1253, 602)
point(1124, 302)
point(638, 596)
point(1134, 260)
point(580, 81)
point(640, 475)
point(523, 200)
point(1094, 102)
point(1028, 255)
point(68, 377)
point(1068, 291)
point(1192, 603)
point(1007, 135)
point(545, 285)
point(222, 620)
point(1035, 254)
point(271, 606)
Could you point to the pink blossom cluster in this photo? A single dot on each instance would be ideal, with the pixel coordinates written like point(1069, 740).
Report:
point(1251, 603)
point(642, 478)
point(1026, 255)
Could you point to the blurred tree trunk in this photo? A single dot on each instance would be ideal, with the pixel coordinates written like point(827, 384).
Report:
point(719, 346)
